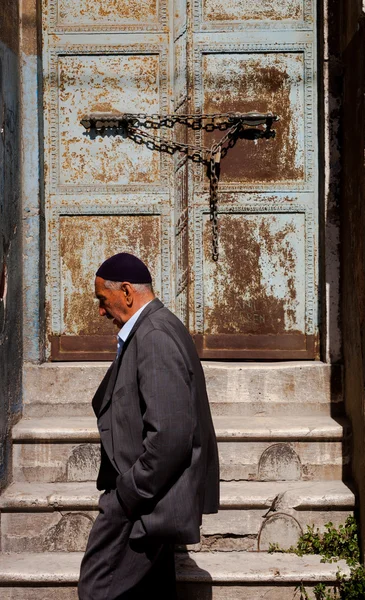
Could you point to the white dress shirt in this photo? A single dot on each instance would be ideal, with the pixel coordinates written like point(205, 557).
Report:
point(127, 328)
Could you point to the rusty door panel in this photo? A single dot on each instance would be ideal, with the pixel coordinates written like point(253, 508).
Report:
point(265, 10)
point(105, 13)
point(263, 82)
point(254, 296)
point(105, 84)
point(236, 15)
point(246, 10)
point(257, 286)
point(84, 242)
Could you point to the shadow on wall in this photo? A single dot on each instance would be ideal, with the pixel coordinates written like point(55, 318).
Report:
point(352, 53)
point(339, 48)
point(10, 233)
point(330, 105)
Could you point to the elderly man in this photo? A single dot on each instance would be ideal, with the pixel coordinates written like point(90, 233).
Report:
point(159, 460)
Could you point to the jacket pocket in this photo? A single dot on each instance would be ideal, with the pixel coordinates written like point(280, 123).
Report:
point(126, 392)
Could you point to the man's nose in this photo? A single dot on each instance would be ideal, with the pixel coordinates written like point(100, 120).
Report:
point(102, 311)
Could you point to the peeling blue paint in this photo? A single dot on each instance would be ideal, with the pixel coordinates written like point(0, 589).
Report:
point(33, 294)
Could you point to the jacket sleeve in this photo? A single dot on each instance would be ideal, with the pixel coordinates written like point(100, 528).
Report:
point(164, 384)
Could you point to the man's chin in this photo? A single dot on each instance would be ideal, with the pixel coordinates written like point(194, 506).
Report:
point(118, 323)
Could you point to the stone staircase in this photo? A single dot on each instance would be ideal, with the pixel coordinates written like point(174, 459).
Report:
point(284, 455)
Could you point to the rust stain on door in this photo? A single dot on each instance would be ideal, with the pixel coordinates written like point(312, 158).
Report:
point(257, 285)
point(107, 12)
point(246, 10)
point(265, 82)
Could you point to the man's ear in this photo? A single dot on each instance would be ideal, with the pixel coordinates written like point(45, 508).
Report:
point(127, 290)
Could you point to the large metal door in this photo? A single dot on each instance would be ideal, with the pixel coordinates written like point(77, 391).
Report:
point(107, 195)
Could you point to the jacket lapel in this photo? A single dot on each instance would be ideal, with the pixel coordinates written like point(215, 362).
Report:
point(156, 304)
point(99, 395)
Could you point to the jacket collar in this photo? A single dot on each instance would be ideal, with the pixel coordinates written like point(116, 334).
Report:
point(152, 307)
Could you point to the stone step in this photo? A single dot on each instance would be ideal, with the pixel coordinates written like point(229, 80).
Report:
point(58, 516)
point(255, 448)
point(218, 575)
point(236, 388)
point(281, 428)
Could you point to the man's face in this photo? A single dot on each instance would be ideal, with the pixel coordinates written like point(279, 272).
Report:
point(112, 303)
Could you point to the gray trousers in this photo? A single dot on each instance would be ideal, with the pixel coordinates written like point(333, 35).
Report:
point(117, 568)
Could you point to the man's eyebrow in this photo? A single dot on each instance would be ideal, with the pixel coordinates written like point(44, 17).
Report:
point(100, 296)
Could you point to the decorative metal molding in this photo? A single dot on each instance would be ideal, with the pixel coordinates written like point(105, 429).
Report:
point(180, 70)
point(180, 161)
point(60, 209)
point(51, 94)
point(242, 198)
point(181, 262)
point(133, 188)
point(182, 282)
point(54, 277)
point(50, 7)
point(310, 8)
point(181, 309)
point(310, 179)
point(197, 216)
point(307, 23)
point(258, 208)
point(166, 256)
point(311, 241)
point(181, 240)
point(181, 222)
point(108, 204)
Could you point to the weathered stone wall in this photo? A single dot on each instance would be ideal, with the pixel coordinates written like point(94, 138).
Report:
point(10, 232)
point(352, 48)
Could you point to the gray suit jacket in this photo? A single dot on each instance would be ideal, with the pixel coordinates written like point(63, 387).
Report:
point(156, 430)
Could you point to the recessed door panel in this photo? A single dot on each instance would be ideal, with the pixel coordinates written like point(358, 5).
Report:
point(257, 300)
point(113, 83)
point(246, 10)
point(99, 16)
point(262, 82)
point(107, 12)
point(84, 241)
point(258, 285)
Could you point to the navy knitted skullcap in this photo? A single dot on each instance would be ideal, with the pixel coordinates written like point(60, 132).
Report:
point(124, 267)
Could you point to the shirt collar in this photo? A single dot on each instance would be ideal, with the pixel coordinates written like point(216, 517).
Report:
point(128, 326)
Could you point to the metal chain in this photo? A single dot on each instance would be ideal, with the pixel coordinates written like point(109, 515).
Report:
point(198, 154)
point(216, 153)
point(131, 126)
point(211, 157)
